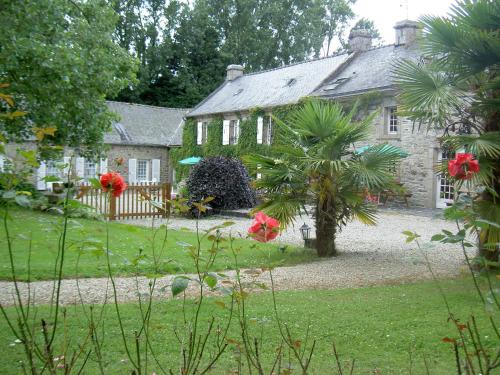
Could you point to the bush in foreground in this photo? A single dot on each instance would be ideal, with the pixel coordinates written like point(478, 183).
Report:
point(224, 179)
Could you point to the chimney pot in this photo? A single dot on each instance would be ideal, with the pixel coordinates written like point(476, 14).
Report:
point(407, 32)
point(360, 40)
point(233, 71)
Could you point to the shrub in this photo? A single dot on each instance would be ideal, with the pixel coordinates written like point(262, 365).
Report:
point(224, 179)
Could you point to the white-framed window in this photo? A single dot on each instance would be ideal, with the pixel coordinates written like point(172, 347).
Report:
point(267, 130)
point(89, 169)
point(142, 170)
point(204, 132)
point(392, 120)
point(53, 168)
point(233, 132)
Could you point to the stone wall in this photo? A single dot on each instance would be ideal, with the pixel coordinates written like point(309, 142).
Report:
point(417, 171)
point(141, 152)
point(116, 151)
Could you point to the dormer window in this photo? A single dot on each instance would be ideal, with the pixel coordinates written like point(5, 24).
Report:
point(335, 83)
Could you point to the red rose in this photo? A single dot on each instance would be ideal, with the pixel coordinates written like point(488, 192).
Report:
point(113, 182)
point(463, 167)
point(264, 228)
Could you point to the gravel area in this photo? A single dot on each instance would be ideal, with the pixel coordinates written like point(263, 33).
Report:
point(367, 256)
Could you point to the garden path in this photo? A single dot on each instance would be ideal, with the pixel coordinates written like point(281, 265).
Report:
point(367, 256)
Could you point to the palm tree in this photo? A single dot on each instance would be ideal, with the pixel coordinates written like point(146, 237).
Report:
point(456, 88)
point(319, 166)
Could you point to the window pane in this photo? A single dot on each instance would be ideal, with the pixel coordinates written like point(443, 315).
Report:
point(393, 121)
point(52, 169)
point(142, 170)
point(89, 169)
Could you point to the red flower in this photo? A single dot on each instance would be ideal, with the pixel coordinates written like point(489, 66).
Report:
point(113, 181)
point(463, 167)
point(264, 228)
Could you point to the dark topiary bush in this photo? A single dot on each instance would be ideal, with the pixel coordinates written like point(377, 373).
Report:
point(224, 179)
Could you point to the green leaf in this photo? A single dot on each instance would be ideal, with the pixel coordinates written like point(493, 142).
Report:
point(438, 237)
point(51, 179)
point(10, 194)
point(211, 280)
point(95, 183)
point(179, 285)
point(23, 200)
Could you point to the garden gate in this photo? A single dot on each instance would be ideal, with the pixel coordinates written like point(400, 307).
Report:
point(134, 203)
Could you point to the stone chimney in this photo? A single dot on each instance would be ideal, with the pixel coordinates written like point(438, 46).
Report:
point(233, 72)
point(360, 40)
point(406, 32)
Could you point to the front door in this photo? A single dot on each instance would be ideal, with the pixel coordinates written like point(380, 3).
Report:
point(445, 191)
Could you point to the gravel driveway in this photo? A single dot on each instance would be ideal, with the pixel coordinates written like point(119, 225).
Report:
point(367, 256)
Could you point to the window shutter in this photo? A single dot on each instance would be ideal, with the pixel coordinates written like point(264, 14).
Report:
point(41, 173)
point(155, 170)
point(103, 166)
point(237, 132)
point(132, 170)
point(79, 167)
point(67, 167)
point(2, 158)
point(199, 133)
point(225, 132)
point(260, 129)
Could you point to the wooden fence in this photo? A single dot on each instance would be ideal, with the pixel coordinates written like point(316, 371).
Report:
point(134, 203)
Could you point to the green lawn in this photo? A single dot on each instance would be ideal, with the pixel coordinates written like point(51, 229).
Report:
point(42, 230)
point(380, 327)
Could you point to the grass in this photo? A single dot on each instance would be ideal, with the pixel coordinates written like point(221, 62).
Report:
point(380, 327)
point(86, 239)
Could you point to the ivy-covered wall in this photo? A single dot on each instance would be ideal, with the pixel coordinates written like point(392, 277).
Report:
point(247, 141)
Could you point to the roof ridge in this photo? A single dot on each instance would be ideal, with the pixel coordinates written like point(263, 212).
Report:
point(150, 106)
point(313, 60)
point(294, 64)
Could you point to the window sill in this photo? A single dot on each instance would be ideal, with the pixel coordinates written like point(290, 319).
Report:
point(391, 136)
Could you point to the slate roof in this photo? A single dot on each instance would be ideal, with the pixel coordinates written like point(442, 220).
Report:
point(336, 76)
point(146, 125)
point(367, 71)
point(270, 88)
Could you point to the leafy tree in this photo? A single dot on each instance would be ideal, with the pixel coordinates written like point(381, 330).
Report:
point(61, 62)
point(336, 16)
point(456, 88)
point(185, 49)
point(319, 167)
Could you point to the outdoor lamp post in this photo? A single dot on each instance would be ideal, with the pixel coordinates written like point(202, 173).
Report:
point(305, 230)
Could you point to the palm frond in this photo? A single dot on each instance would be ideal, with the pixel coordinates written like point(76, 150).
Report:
point(365, 213)
point(484, 145)
point(283, 208)
point(427, 93)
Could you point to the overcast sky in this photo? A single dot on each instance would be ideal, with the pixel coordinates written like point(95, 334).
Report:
point(385, 13)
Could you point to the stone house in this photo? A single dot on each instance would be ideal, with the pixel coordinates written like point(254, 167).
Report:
point(143, 138)
point(362, 72)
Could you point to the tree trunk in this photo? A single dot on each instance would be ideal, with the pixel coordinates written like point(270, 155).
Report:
point(326, 228)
